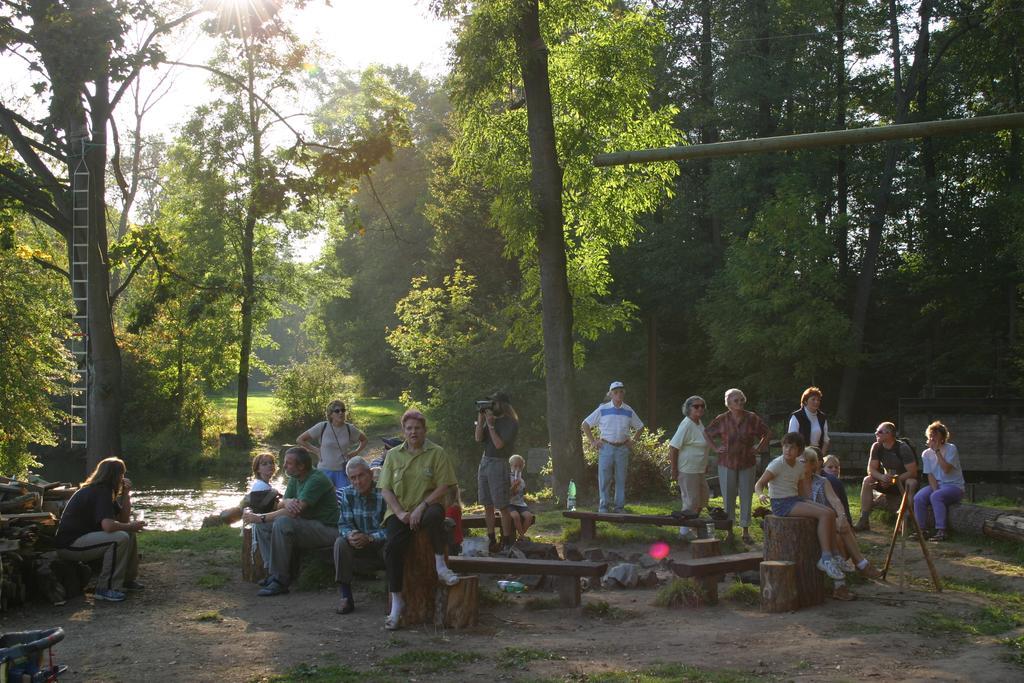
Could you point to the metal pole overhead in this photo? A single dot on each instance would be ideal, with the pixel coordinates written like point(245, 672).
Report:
point(830, 138)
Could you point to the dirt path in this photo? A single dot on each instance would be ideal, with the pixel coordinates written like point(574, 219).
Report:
point(176, 630)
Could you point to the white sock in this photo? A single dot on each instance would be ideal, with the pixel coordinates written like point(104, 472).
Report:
point(862, 564)
point(396, 606)
point(439, 564)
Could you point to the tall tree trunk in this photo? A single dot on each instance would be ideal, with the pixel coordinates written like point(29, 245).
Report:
point(104, 426)
point(930, 212)
point(883, 198)
point(248, 303)
point(710, 222)
point(841, 225)
point(556, 300)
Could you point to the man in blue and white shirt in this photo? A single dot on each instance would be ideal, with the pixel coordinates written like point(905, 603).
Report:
point(618, 425)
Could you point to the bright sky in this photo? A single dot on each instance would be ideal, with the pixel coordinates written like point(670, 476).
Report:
point(353, 33)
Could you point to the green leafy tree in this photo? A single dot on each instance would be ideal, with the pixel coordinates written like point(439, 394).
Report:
point(82, 65)
point(583, 72)
point(451, 337)
point(35, 366)
point(772, 315)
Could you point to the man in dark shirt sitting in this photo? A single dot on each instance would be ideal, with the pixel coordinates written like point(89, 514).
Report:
point(890, 466)
point(96, 524)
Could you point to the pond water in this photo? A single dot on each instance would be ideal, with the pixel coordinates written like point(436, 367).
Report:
point(171, 502)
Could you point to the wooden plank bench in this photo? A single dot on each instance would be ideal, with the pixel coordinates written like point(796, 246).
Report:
point(480, 521)
point(567, 574)
point(589, 520)
point(722, 564)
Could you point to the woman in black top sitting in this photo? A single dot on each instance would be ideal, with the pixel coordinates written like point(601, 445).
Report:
point(96, 524)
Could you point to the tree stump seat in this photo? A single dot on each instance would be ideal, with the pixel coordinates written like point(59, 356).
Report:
point(778, 586)
point(253, 569)
point(795, 539)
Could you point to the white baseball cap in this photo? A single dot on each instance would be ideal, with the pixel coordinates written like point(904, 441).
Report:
point(616, 385)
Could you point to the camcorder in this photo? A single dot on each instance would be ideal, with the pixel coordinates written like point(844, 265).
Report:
point(484, 405)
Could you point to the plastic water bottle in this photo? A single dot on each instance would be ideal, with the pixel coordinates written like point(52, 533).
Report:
point(511, 586)
point(711, 529)
point(571, 498)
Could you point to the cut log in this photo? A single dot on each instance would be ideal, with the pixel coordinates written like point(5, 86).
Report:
point(569, 590)
point(1008, 527)
point(795, 539)
point(778, 586)
point(459, 604)
point(25, 503)
point(704, 548)
point(419, 583)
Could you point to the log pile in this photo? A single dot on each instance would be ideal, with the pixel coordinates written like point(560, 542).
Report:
point(29, 511)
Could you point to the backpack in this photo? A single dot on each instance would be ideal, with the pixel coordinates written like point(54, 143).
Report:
point(348, 430)
point(913, 451)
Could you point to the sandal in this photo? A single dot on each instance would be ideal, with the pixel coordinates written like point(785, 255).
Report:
point(939, 537)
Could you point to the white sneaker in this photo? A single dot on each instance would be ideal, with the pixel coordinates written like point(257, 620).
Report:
point(830, 568)
point(686, 533)
point(447, 577)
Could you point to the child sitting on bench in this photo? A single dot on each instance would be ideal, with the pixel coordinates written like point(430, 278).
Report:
point(522, 518)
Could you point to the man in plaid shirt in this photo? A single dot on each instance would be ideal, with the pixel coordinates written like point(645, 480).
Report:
point(360, 534)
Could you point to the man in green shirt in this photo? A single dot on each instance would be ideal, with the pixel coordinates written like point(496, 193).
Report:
point(414, 481)
point(306, 518)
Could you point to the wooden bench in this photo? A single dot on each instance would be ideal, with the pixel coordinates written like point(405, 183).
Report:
point(589, 520)
point(710, 566)
point(567, 574)
point(480, 521)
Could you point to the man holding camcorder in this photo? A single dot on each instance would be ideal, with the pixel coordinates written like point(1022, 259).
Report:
point(496, 427)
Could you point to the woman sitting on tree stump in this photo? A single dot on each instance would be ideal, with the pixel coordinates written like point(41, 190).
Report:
point(789, 489)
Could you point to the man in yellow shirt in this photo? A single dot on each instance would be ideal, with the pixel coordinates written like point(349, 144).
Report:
point(414, 481)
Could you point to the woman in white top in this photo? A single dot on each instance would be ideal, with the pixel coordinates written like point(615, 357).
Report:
point(941, 462)
point(688, 455)
point(335, 437)
point(810, 421)
point(789, 489)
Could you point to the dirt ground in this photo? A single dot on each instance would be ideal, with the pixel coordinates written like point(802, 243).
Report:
point(177, 630)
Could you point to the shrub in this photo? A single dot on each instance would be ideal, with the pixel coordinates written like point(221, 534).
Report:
point(305, 388)
point(743, 593)
point(34, 365)
point(649, 469)
point(681, 593)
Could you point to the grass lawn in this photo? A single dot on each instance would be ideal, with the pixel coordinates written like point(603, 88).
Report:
point(375, 416)
point(262, 409)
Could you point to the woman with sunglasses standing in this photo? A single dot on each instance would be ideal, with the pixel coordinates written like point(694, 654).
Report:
point(688, 455)
point(335, 437)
